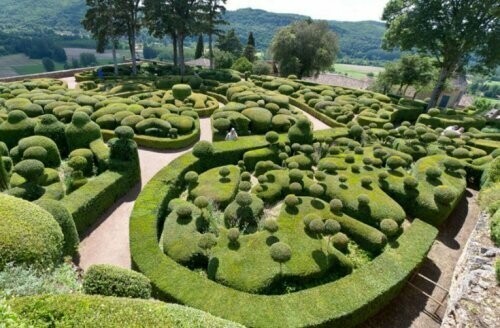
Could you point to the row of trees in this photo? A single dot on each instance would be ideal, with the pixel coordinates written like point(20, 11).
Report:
point(109, 20)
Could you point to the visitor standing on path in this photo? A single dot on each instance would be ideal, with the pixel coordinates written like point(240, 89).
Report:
point(232, 135)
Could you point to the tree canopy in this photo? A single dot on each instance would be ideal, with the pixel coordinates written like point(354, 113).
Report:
point(453, 31)
point(305, 48)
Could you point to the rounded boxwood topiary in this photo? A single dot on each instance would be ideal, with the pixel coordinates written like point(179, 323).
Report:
point(363, 200)
point(280, 252)
point(366, 182)
point(291, 200)
point(36, 152)
point(30, 169)
point(332, 227)
point(109, 280)
point(286, 89)
point(181, 91)
point(78, 163)
point(271, 225)
point(389, 227)
point(245, 176)
point(243, 199)
point(452, 164)
point(224, 171)
point(81, 131)
point(124, 132)
point(336, 205)
point(53, 157)
point(394, 162)
point(307, 219)
point(48, 126)
point(410, 183)
point(317, 226)
point(28, 234)
point(184, 211)
point(233, 234)
point(433, 173)
point(203, 149)
point(295, 188)
point(207, 241)
point(301, 132)
point(316, 190)
point(383, 175)
point(342, 178)
point(460, 153)
point(65, 220)
point(340, 241)
point(245, 186)
point(444, 195)
point(349, 159)
point(222, 124)
point(16, 127)
point(201, 202)
point(272, 137)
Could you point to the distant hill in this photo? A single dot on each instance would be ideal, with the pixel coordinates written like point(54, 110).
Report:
point(358, 40)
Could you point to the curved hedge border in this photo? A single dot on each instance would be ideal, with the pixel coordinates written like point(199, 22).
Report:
point(343, 303)
point(180, 142)
point(314, 113)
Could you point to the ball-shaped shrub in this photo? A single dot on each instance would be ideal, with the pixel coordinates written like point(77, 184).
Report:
point(78, 163)
point(272, 137)
point(410, 183)
point(109, 280)
point(429, 137)
point(245, 176)
point(201, 202)
point(379, 153)
point(320, 175)
point(183, 211)
point(433, 173)
point(349, 159)
point(434, 112)
point(30, 169)
point(308, 218)
point(36, 152)
point(224, 171)
point(295, 188)
point(271, 225)
point(444, 195)
point(81, 131)
point(332, 227)
point(291, 200)
point(191, 177)
point(363, 200)
point(286, 89)
point(452, 164)
point(301, 132)
point(394, 162)
point(52, 159)
point(389, 227)
point(207, 241)
point(317, 226)
point(233, 234)
point(124, 132)
point(28, 234)
point(342, 178)
point(366, 182)
point(356, 131)
point(280, 252)
point(316, 190)
point(243, 199)
point(460, 153)
point(336, 205)
point(181, 91)
point(367, 161)
point(296, 175)
point(340, 241)
point(17, 127)
point(383, 175)
point(203, 150)
point(245, 186)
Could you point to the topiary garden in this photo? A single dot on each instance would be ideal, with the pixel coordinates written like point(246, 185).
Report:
point(286, 226)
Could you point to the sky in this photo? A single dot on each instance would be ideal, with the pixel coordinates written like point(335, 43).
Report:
point(343, 10)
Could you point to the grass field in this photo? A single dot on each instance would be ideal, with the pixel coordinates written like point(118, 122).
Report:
point(21, 64)
point(356, 71)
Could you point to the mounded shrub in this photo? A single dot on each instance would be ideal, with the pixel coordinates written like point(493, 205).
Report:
point(108, 280)
point(65, 221)
point(203, 149)
point(48, 126)
point(16, 127)
point(389, 227)
point(181, 91)
point(444, 195)
point(81, 131)
point(301, 132)
point(340, 241)
point(433, 173)
point(52, 158)
point(260, 119)
point(28, 234)
point(394, 162)
point(280, 252)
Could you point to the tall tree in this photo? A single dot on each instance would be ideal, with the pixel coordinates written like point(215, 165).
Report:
point(453, 31)
point(103, 23)
point(158, 18)
point(213, 10)
point(249, 52)
point(127, 13)
point(200, 47)
point(304, 48)
point(230, 42)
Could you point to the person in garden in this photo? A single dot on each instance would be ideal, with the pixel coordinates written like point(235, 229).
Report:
point(232, 135)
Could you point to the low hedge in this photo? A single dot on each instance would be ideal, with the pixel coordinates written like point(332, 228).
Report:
point(109, 280)
point(96, 196)
point(345, 302)
point(322, 117)
point(71, 310)
point(182, 141)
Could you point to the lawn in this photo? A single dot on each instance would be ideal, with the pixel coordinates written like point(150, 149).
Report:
point(356, 71)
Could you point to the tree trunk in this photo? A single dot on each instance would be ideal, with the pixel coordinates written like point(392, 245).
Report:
point(174, 45)
point(438, 89)
point(115, 61)
point(210, 51)
point(131, 44)
point(182, 65)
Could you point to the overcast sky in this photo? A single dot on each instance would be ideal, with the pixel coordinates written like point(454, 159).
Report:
point(343, 10)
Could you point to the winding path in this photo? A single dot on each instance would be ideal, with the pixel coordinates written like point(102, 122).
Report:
point(107, 242)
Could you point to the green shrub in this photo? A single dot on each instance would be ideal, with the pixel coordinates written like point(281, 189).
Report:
point(203, 150)
point(280, 252)
point(444, 195)
point(410, 182)
point(81, 131)
point(433, 173)
point(28, 234)
point(393, 162)
point(389, 227)
point(65, 221)
point(260, 119)
point(52, 158)
point(242, 65)
point(48, 126)
point(301, 132)
point(181, 91)
point(291, 200)
point(340, 241)
point(16, 127)
point(108, 280)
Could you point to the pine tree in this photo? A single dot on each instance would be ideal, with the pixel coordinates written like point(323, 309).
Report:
point(199, 48)
point(251, 40)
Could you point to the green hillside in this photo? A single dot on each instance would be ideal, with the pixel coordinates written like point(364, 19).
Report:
point(358, 40)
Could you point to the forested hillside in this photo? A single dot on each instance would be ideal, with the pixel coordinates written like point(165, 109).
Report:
point(358, 40)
